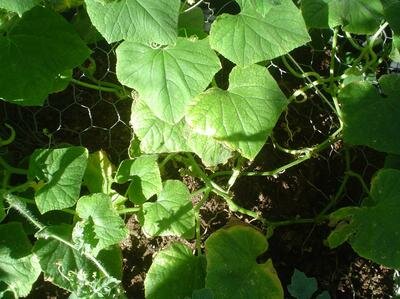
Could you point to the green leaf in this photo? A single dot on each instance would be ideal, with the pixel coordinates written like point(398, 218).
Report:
point(315, 13)
point(33, 53)
point(210, 151)
point(371, 118)
point(373, 229)
point(61, 81)
point(19, 269)
point(232, 268)
point(172, 214)
point(85, 28)
point(392, 161)
point(203, 294)
point(262, 31)
point(302, 287)
point(145, 177)
point(137, 20)
point(98, 173)
point(2, 211)
point(18, 6)
point(167, 78)
point(68, 268)
point(60, 172)
point(160, 137)
point(98, 216)
point(192, 23)
point(174, 273)
point(391, 12)
point(156, 136)
point(243, 116)
point(356, 16)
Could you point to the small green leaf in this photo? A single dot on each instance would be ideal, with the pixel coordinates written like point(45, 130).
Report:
point(302, 287)
point(371, 118)
point(98, 174)
point(145, 177)
point(34, 52)
point(262, 31)
point(137, 20)
point(18, 6)
point(174, 273)
point(60, 172)
point(167, 78)
point(157, 136)
point(373, 229)
point(192, 23)
point(19, 269)
point(172, 214)
point(98, 216)
point(243, 116)
point(232, 268)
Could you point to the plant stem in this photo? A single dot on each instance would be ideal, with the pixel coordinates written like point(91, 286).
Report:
point(129, 210)
point(318, 91)
point(197, 171)
point(95, 87)
point(9, 140)
point(360, 179)
point(197, 216)
point(12, 169)
point(18, 204)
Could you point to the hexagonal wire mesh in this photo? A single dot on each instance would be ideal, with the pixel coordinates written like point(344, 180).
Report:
point(76, 116)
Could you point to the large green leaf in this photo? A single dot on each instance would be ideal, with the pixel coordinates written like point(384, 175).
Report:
point(244, 115)
point(98, 216)
point(34, 52)
point(145, 177)
point(60, 173)
point(373, 230)
point(171, 214)
point(158, 136)
point(262, 31)
point(371, 118)
point(139, 20)
point(98, 173)
point(232, 268)
point(356, 16)
point(18, 6)
point(69, 269)
point(19, 269)
point(167, 78)
point(174, 273)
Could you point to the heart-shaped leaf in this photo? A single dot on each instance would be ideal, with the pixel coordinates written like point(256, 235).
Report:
point(232, 268)
point(60, 173)
point(39, 47)
point(243, 116)
point(167, 78)
point(263, 30)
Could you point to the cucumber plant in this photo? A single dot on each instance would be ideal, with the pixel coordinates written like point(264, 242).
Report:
point(166, 64)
